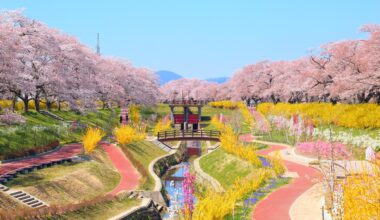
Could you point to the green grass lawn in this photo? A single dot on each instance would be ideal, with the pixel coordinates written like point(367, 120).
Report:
point(144, 152)
point(40, 130)
point(225, 168)
point(277, 136)
point(70, 183)
point(102, 210)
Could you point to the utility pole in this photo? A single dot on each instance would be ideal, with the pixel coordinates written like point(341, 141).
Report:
point(98, 45)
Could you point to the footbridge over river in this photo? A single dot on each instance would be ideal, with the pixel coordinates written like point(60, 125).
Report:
point(188, 135)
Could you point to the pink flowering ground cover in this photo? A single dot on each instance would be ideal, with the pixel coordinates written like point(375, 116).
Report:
point(323, 149)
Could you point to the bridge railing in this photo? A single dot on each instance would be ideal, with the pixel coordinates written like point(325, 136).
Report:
point(196, 134)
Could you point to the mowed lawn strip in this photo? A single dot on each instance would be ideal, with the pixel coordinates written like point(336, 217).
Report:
point(143, 153)
point(224, 167)
point(40, 130)
point(102, 210)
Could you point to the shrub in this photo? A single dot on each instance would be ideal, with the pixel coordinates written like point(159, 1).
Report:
point(126, 134)
point(134, 114)
point(91, 139)
point(162, 125)
point(227, 104)
point(11, 118)
point(216, 205)
point(345, 115)
point(323, 149)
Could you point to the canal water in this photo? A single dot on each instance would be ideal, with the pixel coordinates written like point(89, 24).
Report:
point(173, 185)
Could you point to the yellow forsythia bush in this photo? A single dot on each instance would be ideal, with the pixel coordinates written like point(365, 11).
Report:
point(345, 115)
point(126, 134)
point(361, 195)
point(216, 123)
point(91, 139)
point(276, 163)
point(229, 141)
point(162, 125)
point(216, 205)
point(226, 104)
point(5, 104)
point(247, 116)
point(134, 114)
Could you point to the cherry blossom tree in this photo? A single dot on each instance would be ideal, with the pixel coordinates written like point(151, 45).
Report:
point(38, 62)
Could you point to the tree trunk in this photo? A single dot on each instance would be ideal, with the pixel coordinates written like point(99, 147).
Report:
point(25, 99)
point(37, 103)
point(14, 100)
point(48, 105)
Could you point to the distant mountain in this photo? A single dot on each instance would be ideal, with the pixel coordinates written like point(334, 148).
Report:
point(166, 76)
point(218, 80)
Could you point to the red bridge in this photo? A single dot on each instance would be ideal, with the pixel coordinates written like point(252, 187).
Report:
point(181, 135)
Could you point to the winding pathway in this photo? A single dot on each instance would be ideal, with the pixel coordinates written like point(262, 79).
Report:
point(277, 205)
point(64, 152)
point(129, 176)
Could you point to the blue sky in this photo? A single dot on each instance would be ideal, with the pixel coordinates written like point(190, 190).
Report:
point(204, 39)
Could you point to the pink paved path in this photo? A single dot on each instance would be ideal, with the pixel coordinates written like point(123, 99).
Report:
point(277, 205)
point(129, 177)
point(67, 151)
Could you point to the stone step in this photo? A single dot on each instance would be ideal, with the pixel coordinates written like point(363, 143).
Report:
point(20, 195)
point(3, 188)
point(15, 193)
point(37, 204)
point(22, 198)
point(32, 202)
point(28, 200)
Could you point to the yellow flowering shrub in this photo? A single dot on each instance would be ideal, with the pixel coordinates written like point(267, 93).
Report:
point(229, 141)
point(247, 116)
point(216, 205)
point(5, 104)
point(162, 125)
point(226, 104)
point(345, 115)
point(276, 162)
point(134, 114)
point(91, 139)
point(361, 195)
point(126, 134)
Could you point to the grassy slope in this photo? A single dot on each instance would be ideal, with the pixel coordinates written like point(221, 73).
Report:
point(145, 152)
point(14, 138)
point(225, 168)
point(6, 202)
point(70, 183)
point(102, 210)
